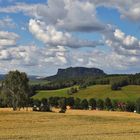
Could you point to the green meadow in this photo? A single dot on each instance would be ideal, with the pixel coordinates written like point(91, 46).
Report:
point(127, 93)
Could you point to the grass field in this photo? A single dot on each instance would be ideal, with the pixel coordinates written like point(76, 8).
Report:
point(130, 93)
point(73, 125)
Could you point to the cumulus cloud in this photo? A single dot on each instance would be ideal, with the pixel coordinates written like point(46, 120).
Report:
point(123, 44)
point(65, 14)
point(81, 16)
point(49, 35)
point(27, 9)
point(128, 8)
point(8, 39)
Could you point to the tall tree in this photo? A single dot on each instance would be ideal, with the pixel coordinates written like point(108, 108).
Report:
point(100, 104)
point(84, 104)
point(108, 104)
point(17, 88)
point(62, 105)
point(92, 103)
point(138, 105)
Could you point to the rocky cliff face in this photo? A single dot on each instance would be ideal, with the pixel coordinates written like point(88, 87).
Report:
point(76, 72)
point(80, 71)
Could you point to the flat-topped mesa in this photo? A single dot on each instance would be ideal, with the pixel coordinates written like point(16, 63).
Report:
point(80, 71)
point(76, 72)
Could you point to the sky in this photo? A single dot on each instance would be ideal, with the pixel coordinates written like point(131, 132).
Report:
point(40, 36)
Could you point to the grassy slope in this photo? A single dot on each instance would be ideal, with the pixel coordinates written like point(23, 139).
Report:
point(97, 91)
point(74, 125)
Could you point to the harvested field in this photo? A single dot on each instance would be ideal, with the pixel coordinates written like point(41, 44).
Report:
point(74, 124)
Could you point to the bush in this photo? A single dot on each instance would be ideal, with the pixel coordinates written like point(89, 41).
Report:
point(35, 108)
point(72, 90)
point(122, 106)
point(62, 111)
point(83, 86)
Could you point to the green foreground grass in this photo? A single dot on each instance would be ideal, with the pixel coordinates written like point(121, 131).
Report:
point(128, 93)
point(74, 125)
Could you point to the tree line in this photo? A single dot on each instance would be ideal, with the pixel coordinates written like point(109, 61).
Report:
point(84, 104)
point(116, 82)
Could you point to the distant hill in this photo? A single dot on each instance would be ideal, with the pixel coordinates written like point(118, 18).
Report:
point(76, 72)
point(31, 77)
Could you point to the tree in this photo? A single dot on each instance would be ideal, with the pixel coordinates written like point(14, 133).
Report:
point(62, 105)
point(130, 106)
point(44, 105)
point(115, 104)
point(17, 87)
point(138, 105)
point(108, 104)
point(70, 101)
point(119, 82)
point(92, 103)
point(53, 101)
point(100, 104)
point(77, 103)
point(84, 104)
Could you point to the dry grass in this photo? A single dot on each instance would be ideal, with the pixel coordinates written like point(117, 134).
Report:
point(73, 125)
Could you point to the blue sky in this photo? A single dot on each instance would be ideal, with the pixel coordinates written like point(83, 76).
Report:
point(39, 37)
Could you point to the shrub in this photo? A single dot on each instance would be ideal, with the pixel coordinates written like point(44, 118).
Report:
point(72, 90)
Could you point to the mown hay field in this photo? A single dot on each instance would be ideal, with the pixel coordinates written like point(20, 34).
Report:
point(73, 125)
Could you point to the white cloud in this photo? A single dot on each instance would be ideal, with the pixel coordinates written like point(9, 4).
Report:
point(49, 35)
point(65, 14)
point(7, 39)
point(80, 16)
point(128, 8)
